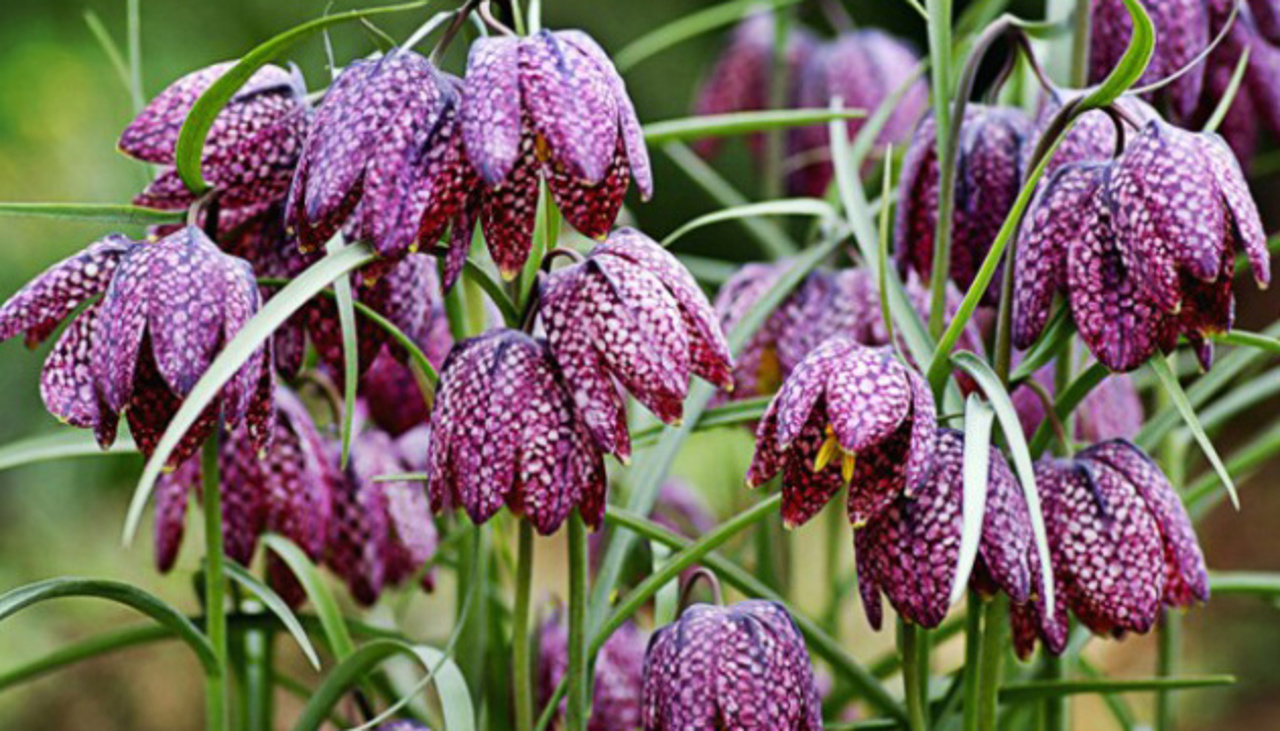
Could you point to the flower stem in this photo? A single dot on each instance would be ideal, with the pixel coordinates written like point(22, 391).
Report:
point(257, 679)
point(972, 659)
point(579, 684)
point(915, 674)
point(778, 83)
point(1080, 37)
point(1167, 666)
point(216, 701)
point(520, 630)
point(989, 663)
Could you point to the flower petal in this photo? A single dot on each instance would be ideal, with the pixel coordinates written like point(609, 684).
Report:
point(45, 301)
point(66, 382)
point(491, 108)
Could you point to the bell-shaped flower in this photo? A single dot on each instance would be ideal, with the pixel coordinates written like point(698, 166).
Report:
point(1093, 136)
point(848, 415)
point(630, 313)
point(758, 369)
point(505, 431)
point(739, 667)
point(1256, 105)
point(1182, 33)
point(1112, 410)
point(618, 677)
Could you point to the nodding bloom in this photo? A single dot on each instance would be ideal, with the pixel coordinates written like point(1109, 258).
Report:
point(618, 676)
point(863, 69)
point(383, 162)
point(505, 431)
point(1112, 410)
point(631, 312)
point(165, 311)
point(739, 667)
point(1256, 105)
point(252, 147)
point(848, 415)
point(1182, 33)
point(910, 551)
point(742, 76)
point(1093, 136)
point(758, 370)
point(549, 106)
point(991, 160)
point(285, 489)
point(1121, 543)
point(382, 533)
point(1143, 247)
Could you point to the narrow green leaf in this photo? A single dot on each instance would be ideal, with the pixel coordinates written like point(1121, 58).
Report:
point(344, 301)
point(1066, 402)
point(93, 212)
point(1038, 690)
point(740, 123)
point(869, 133)
point(109, 47)
point(278, 607)
point(317, 591)
point(1142, 43)
point(491, 287)
point(979, 418)
point(134, 28)
point(1246, 339)
point(785, 207)
point(1058, 331)
point(708, 270)
point(1203, 493)
point(733, 413)
point(60, 445)
point(1228, 96)
point(1245, 583)
point(85, 649)
point(689, 25)
point(1160, 366)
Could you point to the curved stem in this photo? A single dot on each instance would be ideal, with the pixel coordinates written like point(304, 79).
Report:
point(216, 700)
point(707, 576)
point(455, 25)
point(1080, 38)
point(521, 655)
point(579, 682)
point(1050, 413)
point(486, 13)
point(915, 674)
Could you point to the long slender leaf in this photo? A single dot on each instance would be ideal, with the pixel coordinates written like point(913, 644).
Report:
point(978, 421)
point(708, 270)
point(736, 412)
point(786, 207)
point(109, 47)
point(278, 607)
point(1245, 583)
point(344, 302)
point(1132, 65)
point(1203, 493)
point(83, 650)
point(1249, 340)
point(1038, 690)
point(317, 591)
point(1066, 402)
point(93, 212)
point(60, 445)
point(740, 123)
point(689, 26)
point(1160, 366)
point(1058, 331)
point(133, 11)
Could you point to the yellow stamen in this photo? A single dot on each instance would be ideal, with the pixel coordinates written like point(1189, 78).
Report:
point(826, 452)
point(847, 464)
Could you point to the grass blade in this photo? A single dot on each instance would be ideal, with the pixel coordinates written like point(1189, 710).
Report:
point(112, 51)
point(344, 300)
point(689, 26)
point(979, 418)
point(1164, 374)
point(278, 607)
point(317, 591)
point(815, 207)
point(741, 123)
point(1038, 690)
point(60, 445)
point(93, 212)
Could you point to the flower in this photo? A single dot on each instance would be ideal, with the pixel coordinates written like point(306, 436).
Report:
point(1112, 410)
point(991, 159)
point(757, 370)
point(284, 489)
point(383, 159)
point(863, 69)
point(251, 149)
point(848, 415)
point(911, 550)
point(1093, 136)
point(166, 309)
point(736, 667)
point(505, 430)
point(549, 105)
point(402, 726)
point(631, 312)
point(1143, 247)
point(618, 676)
point(1257, 99)
point(1121, 543)
point(1182, 33)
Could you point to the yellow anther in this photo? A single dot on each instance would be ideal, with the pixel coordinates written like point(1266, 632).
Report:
point(847, 463)
point(826, 452)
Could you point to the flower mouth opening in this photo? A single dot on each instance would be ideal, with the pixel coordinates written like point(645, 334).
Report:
point(827, 454)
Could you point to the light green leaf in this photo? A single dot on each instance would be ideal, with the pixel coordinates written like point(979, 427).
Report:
point(344, 302)
point(317, 591)
point(1132, 65)
point(1160, 366)
point(979, 419)
point(111, 49)
point(278, 607)
point(785, 207)
point(1058, 331)
point(1038, 690)
point(1246, 339)
point(740, 123)
point(60, 445)
point(1203, 493)
point(93, 212)
point(689, 25)
point(708, 270)
point(85, 649)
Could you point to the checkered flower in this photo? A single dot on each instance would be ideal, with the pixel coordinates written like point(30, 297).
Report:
point(618, 677)
point(1182, 33)
point(1112, 410)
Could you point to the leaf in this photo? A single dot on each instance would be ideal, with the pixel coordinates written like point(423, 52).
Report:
point(191, 140)
point(111, 49)
point(85, 649)
point(344, 301)
point(56, 446)
point(1160, 366)
point(1038, 690)
point(1011, 427)
point(732, 413)
point(740, 123)
point(689, 26)
point(494, 290)
point(784, 207)
point(1199, 497)
point(1126, 72)
point(234, 354)
point(978, 421)
point(317, 591)
point(93, 212)
point(1229, 96)
point(1247, 339)
point(133, 12)
point(278, 607)
point(131, 596)
point(1058, 331)
point(1245, 583)
point(1067, 401)
point(708, 270)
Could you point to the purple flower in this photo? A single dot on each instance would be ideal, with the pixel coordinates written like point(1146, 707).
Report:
point(1257, 101)
point(1093, 137)
point(618, 676)
point(505, 431)
point(252, 148)
point(285, 488)
point(1121, 543)
point(384, 160)
point(991, 158)
point(739, 667)
point(403, 726)
point(910, 551)
point(1113, 410)
point(549, 105)
point(1182, 33)
point(633, 313)
point(757, 371)
point(848, 415)
point(863, 68)
point(166, 309)
point(1143, 247)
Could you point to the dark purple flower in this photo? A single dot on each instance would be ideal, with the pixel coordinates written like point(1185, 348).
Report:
point(251, 150)
point(618, 676)
point(757, 370)
point(911, 550)
point(383, 161)
point(630, 313)
point(505, 431)
point(1182, 33)
point(848, 415)
point(739, 667)
point(548, 106)
point(1257, 101)
point(1112, 410)
point(991, 158)
point(1143, 247)
point(1121, 543)
point(1093, 136)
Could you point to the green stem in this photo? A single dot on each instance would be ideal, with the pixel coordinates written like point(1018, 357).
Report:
point(940, 63)
point(1055, 708)
point(993, 621)
point(778, 80)
point(1080, 37)
point(1167, 667)
point(523, 691)
point(579, 683)
point(257, 680)
point(915, 674)
point(216, 699)
point(972, 659)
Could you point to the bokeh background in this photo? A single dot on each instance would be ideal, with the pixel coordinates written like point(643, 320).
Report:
point(61, 108)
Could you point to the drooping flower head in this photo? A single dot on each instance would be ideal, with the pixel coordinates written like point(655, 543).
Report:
point(758, 370)
point(1256, 105)
point(1182, 33)
point(848, 415)
point(739, 667)
point(1121, 543)
point(1093, 136)
point(549, 106)
point(618, 677)
point(911, 550)
point(630, 313)
point(505, 431)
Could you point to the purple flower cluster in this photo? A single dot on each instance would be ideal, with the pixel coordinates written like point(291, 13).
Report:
point(618, 679)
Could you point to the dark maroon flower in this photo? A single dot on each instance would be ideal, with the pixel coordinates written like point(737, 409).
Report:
point(1112, 410)
point(285, 489)
point(1182, 33)
point(911, 550)
point(848, 415)
point(863, 69)
point(505, 431)
point(618, 676)
point(384, 160)
point(1121, 543)
point(549, 105)
point(1143, 247)
point(991, 159)
point(757, 370)
point(251, 150)
point(739, 667)
point(631, 312)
